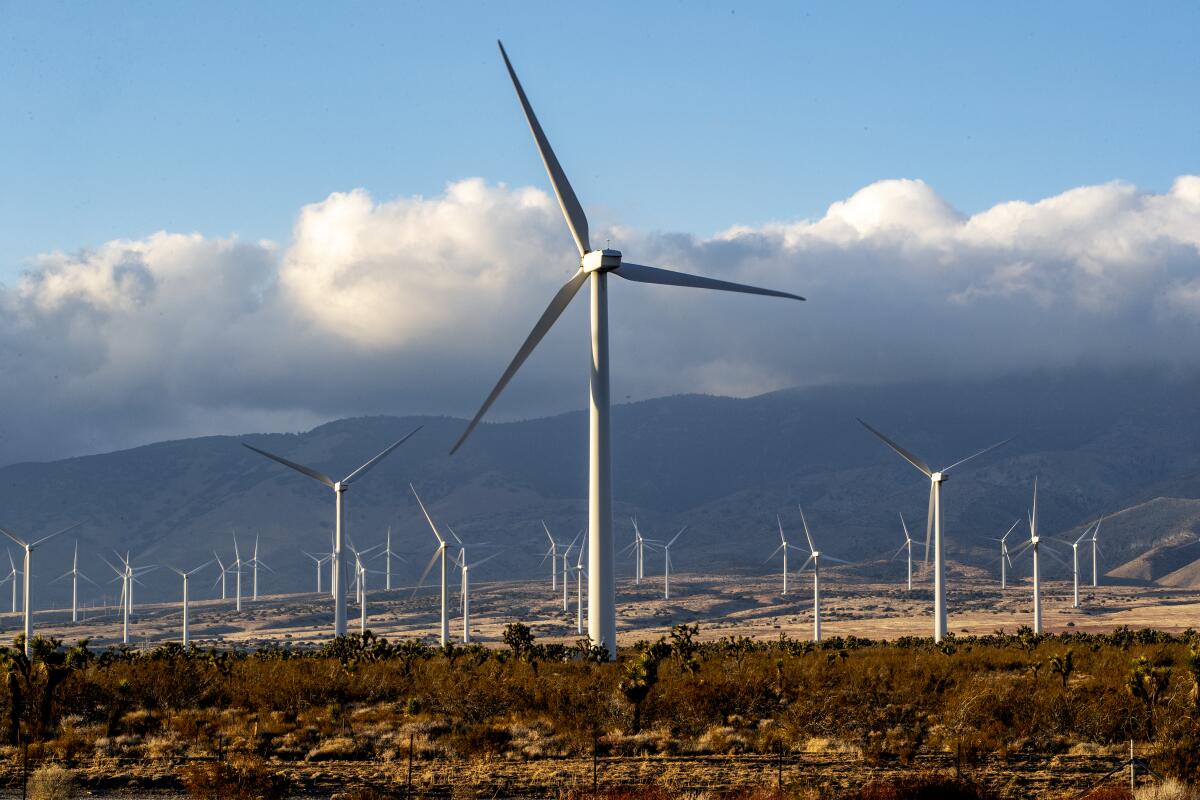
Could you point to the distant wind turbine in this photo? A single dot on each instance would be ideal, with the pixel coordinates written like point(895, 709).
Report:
point(339, 488)
point(814, 557)
point(666, 548)
point(185, 575)
point(221, 578)
point(255, 562)
point(236, 568)
point(1005, 555)
point(388, 554)
point(1075, 563)
point(933, 522)
point(594, 268)
point(551, 554)
point(579, 573)
point(908, 542)
point(318, 561)
point(29, 548)
point(784, 546)
point(565, 568)
point(465, 568)
point(75, 575)
point(1095, 547)
point(12, 576)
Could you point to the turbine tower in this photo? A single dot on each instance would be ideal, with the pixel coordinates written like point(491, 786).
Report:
point(388, 554)
point(318, 561)
point(933, 522)
point(551, 554)
point(444, 630)
point(255, 562)
point(594, 268)
point(29, 548)
point(1037, 572)
point(236, 566)
point(667, 563)
point(1095, 547)
point(339, 488)
point(465, 568)
point(1075, 564)
point(221, 578)
point(579, 573)
point(185, 638)
point(566, 554)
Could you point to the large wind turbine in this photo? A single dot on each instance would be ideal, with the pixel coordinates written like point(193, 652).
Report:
point(594, 269)
point(444, 630)
point(75, 575)
point(29, 548)
point(339, 488)
point(815, 557)
point(185, 575)
point(933, 522)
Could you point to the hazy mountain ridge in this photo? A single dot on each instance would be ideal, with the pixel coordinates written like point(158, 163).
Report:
point(1099, 442)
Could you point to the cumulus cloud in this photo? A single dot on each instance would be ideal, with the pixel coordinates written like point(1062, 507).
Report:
point(416, 304)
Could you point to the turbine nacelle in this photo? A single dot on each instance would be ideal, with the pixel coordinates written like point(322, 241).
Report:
point(938, 477)
point(604, 260)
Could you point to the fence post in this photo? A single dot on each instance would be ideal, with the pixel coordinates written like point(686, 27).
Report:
point(595, 770)
point(1132, 768)
point(408, 781)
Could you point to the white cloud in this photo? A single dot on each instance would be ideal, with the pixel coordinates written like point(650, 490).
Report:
point(416, 304)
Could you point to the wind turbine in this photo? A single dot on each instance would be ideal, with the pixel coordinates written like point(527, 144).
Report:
point(1005, 556)
point(815, 557)
point(127, 575)
point(185, 576)
point(594, 268)
point(1075, 563)
point(444, 631)
point(579, 573)
point(75, 575)
point(256, 563)
point(551, 554)
point(784, 547)
point(236, 568)
point(906, 546)
point(1037, 573)
point(360, 584)
point(667, 563)
point(339, 488)
point(933, 522)
point(29, 548)
point(12, 576)
point(565, 568)
point(388, 554)
point(1095, 547)
point(221, 579)
point(465, 568)
point(318, 562)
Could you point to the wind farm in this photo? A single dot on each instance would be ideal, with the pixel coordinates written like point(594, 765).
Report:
point(915, 290)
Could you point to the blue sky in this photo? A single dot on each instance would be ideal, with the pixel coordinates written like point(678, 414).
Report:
point(225, 118)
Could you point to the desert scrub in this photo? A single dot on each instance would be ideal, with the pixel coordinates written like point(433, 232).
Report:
point(51, 782)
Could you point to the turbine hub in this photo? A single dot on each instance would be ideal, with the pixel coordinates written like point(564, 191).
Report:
point(938, 477)
point(600, 260)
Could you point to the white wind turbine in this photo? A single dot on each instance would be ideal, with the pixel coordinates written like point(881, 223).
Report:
point(339, 488)
point(933, 522)
point(185, 575)
point(565, 568)
point(815, 557)
point(221, 579)
point(127, 575)
point(579, 573)
point(784, 546)
point(29, 548)
point(1005, 556)
point(74, 574)
point(1075, 563)
point(666, 548)
point(465, 590)
point(908, 542)
point(1034, 545)
point(12, 576)
point(594, 269)
point(388, 554)
point(551, 554)
point(318, 561)
point(255, 562)
point(440, 552)
point(236, 568)
point(360, 584)
point(1095, 547)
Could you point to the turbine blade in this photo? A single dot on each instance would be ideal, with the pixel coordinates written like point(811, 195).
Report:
point(553, 311)
point(484, 560)
point(681, 530)
point(455, 535)
point(782, 538)
point(812, 548)
point(427, 517)
point(904, 525)
point(898, 552)
point(835, 560)
point(907, 456)
point(365, 468)
point(70, 527)
point(805, 564)
point(773, 552)
point(572, 210)
point(303, 470)
point(1012, 528)
point(977, 455)
point(13, 536)
point(666, 277)
point(428, 567)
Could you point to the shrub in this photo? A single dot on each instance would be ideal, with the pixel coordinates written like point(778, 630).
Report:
point(1170, 789)
point(923, 787)
point(51, 782)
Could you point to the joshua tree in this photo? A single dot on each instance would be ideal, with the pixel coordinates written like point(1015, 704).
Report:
point(1148, 683)
point(1064, 665)
point(640, 676)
